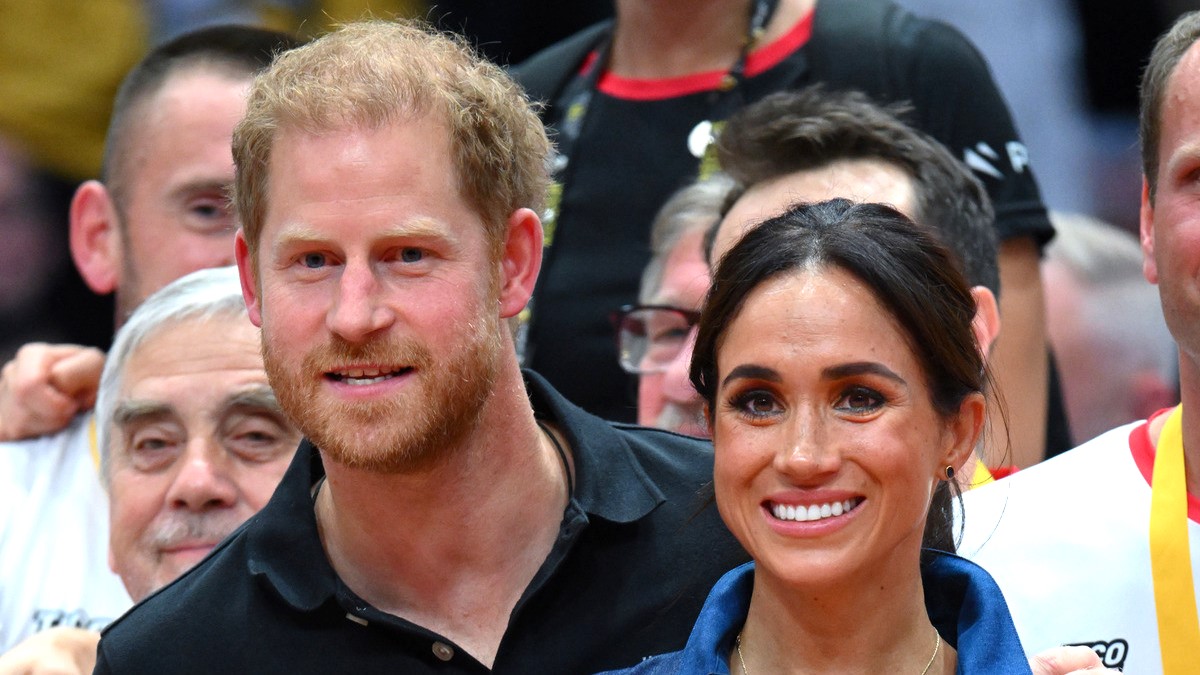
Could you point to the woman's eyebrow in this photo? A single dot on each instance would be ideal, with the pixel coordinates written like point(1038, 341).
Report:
point(752, 372)
point(861, 368)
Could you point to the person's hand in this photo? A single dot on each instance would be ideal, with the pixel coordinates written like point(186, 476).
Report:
point(44, 386)
point(57, 651)
point(1067, 660)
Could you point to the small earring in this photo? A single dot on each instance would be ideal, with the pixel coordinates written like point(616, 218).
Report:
point(949, 472)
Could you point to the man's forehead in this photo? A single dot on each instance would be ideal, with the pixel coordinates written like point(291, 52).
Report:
point(1180, 113)
point(861, 180)
point(685, 272)
point(194, 348)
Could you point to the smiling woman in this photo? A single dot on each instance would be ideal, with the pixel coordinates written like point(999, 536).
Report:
point(844, 388)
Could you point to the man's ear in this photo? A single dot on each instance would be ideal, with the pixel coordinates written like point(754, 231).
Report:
point(520, 261)
point(986, 323)
point(96, 245)
point(250, 288)
point(1146, 229)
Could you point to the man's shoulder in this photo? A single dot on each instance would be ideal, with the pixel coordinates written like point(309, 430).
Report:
point(1058, 501)
point(544, 73)
point(670, 450)
point(1101, 459)
point(57, 468)
point(215, 602)
point(70, 443)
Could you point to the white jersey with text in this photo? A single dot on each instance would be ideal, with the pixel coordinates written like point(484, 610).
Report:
point(54, 537)
point(1068, 542)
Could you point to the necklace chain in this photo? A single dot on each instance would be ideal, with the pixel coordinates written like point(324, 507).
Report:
point(737, 645)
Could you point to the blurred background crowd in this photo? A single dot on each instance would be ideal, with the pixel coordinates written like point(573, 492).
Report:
point(1068, 69)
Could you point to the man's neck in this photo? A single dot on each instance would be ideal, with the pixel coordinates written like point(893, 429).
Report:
point(452, 548)
point(671, 38)
point(1189, 390)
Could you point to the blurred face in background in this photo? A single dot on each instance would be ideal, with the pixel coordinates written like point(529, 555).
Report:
point(198, 445)
point(666, 398)
point(172, 206)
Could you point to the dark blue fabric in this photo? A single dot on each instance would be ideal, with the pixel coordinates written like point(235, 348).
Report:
point(963, 601)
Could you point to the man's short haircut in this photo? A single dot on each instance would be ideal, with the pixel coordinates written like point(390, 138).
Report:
point(1168, 51)
point(812, 128)
point(375, 73)
point(696, 207)
point(237, 51)
point(1117, 306)
point(199, 296)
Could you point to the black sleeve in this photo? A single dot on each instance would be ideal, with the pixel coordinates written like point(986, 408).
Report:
point(544, 74)
point(956, 100)
point(101, 663)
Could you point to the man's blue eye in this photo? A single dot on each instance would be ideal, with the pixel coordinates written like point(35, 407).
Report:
point(314, 260)
point(411, 255)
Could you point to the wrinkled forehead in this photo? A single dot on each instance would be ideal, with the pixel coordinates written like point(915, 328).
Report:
point(179, 359)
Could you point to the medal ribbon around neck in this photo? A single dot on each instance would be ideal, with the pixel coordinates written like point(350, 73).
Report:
point(1170, 559)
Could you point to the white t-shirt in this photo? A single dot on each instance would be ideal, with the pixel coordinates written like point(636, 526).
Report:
point(1068, 542)
point(54, 537)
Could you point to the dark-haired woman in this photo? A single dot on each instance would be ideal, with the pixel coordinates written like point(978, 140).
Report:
point(844, 388)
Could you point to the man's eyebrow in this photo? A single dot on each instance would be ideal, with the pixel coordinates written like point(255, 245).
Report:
point(1183, 154)
point(134, 410)
point(220, 187)
point(751, 372)
point(861, 368)
point(260, 397)
point(419, 227)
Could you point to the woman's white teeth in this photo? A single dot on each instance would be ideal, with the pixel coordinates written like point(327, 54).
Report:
point(813, 512)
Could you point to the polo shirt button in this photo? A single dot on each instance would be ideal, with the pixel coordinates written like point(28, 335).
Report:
point(443, 651)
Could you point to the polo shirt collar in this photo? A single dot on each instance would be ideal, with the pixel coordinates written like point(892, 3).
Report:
point(284, 547)
point(609, 481)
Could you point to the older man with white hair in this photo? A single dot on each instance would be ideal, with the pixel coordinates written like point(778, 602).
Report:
point(192, 443)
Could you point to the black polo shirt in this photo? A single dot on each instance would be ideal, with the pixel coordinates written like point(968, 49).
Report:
point(637, 552)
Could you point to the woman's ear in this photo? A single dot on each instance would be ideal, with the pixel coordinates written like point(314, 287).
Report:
point(963, 432)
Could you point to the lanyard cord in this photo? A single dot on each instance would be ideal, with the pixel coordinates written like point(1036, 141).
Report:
point(1170, 559)
point(723, 102)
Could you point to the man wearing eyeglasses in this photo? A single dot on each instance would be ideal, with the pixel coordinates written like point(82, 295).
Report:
point(654, 337)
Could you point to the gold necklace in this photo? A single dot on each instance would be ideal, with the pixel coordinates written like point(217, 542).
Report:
point(737, 645)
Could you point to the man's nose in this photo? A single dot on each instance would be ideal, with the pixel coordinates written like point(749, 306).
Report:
point(358, 310)
point(203, 481)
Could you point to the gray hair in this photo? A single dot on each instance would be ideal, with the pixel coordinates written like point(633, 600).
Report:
point(1107, 262)
point(696, 207)
point(199, 296)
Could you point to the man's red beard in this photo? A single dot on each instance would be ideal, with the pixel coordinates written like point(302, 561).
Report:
point(409, 431)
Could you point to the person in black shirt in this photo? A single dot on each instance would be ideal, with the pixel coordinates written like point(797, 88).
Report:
point(448, 512)
point(635, 104)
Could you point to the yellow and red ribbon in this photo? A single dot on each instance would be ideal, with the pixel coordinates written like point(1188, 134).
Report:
point(1170, 556)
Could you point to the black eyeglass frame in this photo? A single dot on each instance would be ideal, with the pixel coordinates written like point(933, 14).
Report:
point(617, 319)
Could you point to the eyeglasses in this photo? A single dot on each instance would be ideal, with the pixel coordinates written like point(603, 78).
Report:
point(649, 337)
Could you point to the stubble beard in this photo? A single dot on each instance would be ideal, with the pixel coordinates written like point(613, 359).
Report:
point(410, 432)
